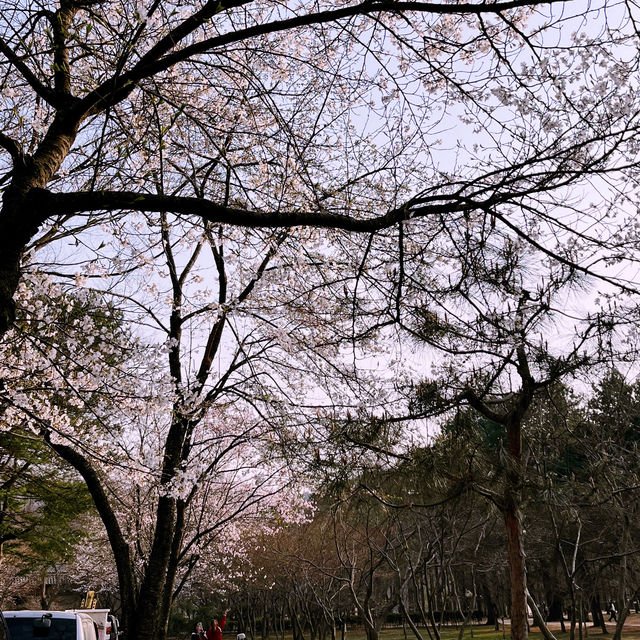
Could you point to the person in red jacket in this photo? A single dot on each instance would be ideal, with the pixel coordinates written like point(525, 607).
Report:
point(214, 632)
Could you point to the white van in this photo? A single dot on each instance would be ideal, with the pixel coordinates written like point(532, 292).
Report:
point(50, 625)
point(106, 622)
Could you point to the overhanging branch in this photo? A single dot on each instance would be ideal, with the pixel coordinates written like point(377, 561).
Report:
point(51, 204)
point(155, 61)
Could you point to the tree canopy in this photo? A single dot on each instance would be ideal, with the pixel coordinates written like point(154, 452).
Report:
point(241, 240)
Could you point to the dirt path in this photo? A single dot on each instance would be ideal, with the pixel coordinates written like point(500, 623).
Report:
point(632, 623)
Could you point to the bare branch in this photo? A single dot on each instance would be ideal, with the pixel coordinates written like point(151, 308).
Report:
point(46, 93)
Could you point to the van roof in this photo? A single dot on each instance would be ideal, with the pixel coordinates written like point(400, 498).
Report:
point(31, 613)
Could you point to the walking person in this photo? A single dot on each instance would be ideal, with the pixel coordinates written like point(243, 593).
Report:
point(612, 612)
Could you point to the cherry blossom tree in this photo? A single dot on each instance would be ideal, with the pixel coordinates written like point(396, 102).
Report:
point(313, 114)
point(170, 436)
point(12, 585)
point(178, 129)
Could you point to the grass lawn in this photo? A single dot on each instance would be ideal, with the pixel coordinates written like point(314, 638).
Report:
point(478, 632)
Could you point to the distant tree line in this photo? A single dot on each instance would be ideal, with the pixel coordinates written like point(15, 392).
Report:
point(422, 544)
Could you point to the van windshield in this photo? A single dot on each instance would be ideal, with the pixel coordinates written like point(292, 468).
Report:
point(30, 628)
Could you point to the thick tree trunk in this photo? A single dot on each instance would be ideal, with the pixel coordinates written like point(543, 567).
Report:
point(572, 631)
point(252, 620)
point(515, 553)
point(513, 526)
point(296, 626)
point(465, 624)
point(623, 614)
point(430, 606)
point(150, 617)
point(172, 570)
point(621, 604)
point(156, 591)
point(511, 499)
point(550, 583)
point(17, 228)
point(23, 209)
point(266, 621)
point(44, 596)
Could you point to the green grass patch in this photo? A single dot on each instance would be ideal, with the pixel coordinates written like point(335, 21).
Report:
point(481, 632)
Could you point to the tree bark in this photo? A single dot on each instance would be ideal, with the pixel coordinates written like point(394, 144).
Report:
point(555, 609)
point(515, 553)
point(511, 514)
point(596, 613)
point(407, 619)
point(121, 551)
point(172, 570)
point(150, 617)
point(491, 611)
point(511, 499)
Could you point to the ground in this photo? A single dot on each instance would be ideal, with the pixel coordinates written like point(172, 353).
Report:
point(480, 632)
point(631, 632)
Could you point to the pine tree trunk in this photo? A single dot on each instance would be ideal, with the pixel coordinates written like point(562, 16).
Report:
point(513, 525)
point(515, 553)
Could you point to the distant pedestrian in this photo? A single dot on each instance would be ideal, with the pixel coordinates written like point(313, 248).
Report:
point(612, 612)
point(198, 632)
point(214, 632)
